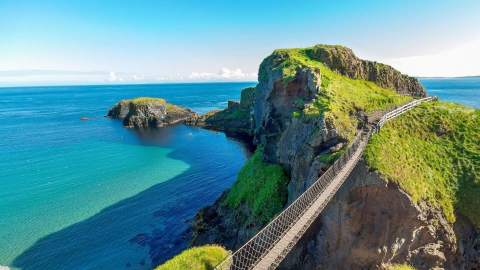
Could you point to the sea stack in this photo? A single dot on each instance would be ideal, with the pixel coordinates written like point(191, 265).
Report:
point(147, 112)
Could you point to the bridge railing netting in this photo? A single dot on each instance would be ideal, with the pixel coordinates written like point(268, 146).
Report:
point(247, 256)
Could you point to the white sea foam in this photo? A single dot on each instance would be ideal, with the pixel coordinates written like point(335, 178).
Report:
point(4, 267)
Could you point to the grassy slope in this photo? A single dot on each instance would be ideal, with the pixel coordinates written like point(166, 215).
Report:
point(433, 153)
point(228, 114)
point(262, 186)
point(341, 97)
point(199, 258)
point(145, 100)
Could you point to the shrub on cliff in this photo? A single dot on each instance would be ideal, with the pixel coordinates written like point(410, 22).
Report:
point(199, 258)
point(261, 186)
point(433, 153)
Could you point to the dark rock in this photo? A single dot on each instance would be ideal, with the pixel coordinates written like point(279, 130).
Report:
point(149, 113)
point(220, 224)
point(289, 141)
point(236, 120)
point(344, 61)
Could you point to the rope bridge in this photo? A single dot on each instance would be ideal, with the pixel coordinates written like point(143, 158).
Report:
point(269, 247)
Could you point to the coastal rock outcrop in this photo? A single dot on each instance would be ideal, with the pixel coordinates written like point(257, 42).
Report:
point(219, 224)
point(290, 141)
point(299, 142)
point(235, 120)
point(149, 112)
point(307, 106)
point(304, 146)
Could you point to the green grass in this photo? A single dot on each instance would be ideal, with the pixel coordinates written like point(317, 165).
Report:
point(433, 153)
point(341, 97)
point(262, 186)
point(399, 267)
point(144, 100)
point(240, 112)
point(329, 158)
point(198, 258)
point(171, 108)
point(229, 114)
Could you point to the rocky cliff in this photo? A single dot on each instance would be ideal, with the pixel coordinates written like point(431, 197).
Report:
point(371, 223)
point(344, 61)
point(303, 109)
point(413, 199)
point(235, 120)
point(308, 105)
point(149, 112)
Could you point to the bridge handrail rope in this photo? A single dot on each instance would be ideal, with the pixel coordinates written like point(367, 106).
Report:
point(250, 255)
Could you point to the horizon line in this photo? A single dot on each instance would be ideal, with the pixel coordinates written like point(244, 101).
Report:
point(121, 84)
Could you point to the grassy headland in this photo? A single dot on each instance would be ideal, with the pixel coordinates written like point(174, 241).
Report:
point(433, 153)
point(263, 187)
point(341, 97)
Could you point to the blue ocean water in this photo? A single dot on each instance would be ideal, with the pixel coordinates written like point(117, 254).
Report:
point(461, 90)
point(93, 195)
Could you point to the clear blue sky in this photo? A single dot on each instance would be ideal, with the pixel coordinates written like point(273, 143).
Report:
point(113, 41)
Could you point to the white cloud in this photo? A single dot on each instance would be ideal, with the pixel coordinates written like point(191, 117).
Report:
point(112, 76)
point(137, 77)
point(459, 61)
point(55, 77)
point(44, 77)
point(65, 77)
point(224, 74)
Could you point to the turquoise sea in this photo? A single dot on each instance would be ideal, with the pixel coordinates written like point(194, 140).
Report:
point(93, 195)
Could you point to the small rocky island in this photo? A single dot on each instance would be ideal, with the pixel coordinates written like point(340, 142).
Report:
point(147, 112)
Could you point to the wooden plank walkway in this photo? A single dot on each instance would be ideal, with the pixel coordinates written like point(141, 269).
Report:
point(274, 256)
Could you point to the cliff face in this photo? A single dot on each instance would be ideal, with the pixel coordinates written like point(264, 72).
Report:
point(290, 141)
point(149, 112)
point(235, 120)
point(371, 223)
point(220, 224)
point(308, 105)
point(301, 143)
